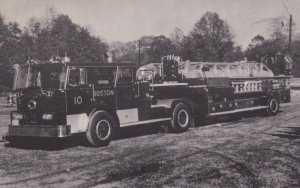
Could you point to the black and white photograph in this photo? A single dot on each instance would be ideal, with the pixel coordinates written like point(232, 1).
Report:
point(140, 93)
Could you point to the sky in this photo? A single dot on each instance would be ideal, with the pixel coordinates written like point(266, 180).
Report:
point(126, 20)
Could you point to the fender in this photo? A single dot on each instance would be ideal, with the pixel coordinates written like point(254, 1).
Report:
point(170, 104)
point(102, 106)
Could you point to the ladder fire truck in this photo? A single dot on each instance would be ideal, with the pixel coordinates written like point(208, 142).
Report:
point(60, 99)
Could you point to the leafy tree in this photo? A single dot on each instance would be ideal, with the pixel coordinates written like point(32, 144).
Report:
point(124, 52)
point(254, 50)
point(60, 36)
point(9, 39)
point(42, 39)
point(210, 40)
point(296, 57)
point(160, 47)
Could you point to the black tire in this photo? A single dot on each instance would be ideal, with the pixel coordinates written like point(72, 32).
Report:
point(272, 107)
point(181, 118)
point(101, 129)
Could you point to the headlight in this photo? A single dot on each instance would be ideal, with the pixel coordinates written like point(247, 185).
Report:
point(48, 117)
point(32, 104)
point(17, 116)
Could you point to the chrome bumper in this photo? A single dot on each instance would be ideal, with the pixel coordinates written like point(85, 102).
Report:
point(57, 131)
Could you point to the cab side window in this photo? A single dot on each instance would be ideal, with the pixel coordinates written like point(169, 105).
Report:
point(77, 76)
point(125, 76)
point(102, 76)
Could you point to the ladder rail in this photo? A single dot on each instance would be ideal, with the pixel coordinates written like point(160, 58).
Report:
point(231, 70)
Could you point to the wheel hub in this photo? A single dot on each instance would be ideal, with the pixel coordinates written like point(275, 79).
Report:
point(183, 118)
point(273, 105)
point(103, 129)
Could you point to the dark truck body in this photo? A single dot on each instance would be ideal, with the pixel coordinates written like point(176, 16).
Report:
point(97, 99)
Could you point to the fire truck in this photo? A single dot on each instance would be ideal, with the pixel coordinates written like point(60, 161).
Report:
point(59, 99)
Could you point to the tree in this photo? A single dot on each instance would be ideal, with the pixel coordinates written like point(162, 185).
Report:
point(60, 36)
point(257, 41)
point(149, 49)
point(124, 52)
point(42, 39)
point(296, 58)
point(159, 47)
point(254, 50)
point(9, 39)
point(210, 40)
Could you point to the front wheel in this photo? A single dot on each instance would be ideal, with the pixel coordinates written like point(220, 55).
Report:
point(273, 107)
point(181, 118)
point(101, 129)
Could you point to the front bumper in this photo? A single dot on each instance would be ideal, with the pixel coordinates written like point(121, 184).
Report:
point(57, 131)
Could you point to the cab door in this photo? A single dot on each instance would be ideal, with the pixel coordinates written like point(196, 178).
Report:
point(103, 80)
point(78, 98)
point(126, 95)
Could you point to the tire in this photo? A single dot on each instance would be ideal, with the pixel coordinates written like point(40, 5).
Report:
point(101, 129)
point(181, 118)
point(272, 107)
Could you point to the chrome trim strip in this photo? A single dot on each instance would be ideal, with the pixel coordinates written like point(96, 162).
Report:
point(244, 99)
point(144, 122)
point(157, 106)
point(238, 110)
point(198, 86)
point(58, 131)
point(168, 84)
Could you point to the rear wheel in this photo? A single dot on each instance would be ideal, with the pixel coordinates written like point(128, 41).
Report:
point(273, 106)
point(181, 118)
point(101, 129)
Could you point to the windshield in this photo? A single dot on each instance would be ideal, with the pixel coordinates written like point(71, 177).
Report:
point(46, 77)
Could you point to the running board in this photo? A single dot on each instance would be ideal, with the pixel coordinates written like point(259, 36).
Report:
point(238, 110)
point(144, 122)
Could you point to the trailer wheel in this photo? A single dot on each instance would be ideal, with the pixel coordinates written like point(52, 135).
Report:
point(181, 118)
point(273, 106)
point(101, 129)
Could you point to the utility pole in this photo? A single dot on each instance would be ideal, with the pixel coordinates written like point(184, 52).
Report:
point(290, 34)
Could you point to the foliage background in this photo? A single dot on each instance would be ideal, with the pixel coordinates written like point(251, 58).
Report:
point(211, 39)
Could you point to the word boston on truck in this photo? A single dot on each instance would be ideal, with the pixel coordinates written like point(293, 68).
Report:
point(59, 99)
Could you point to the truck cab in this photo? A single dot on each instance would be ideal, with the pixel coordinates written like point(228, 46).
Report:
point(61, 99)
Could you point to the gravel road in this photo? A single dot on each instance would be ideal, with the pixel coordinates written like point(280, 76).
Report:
point(253, 151)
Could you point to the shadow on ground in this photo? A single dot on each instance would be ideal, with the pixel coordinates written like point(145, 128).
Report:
point(124, 133)
point(289, 132)
point(76, 140)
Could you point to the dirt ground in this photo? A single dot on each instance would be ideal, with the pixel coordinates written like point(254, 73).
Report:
point(253, 151)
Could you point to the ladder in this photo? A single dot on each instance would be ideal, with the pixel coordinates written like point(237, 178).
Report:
point(230, 70)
